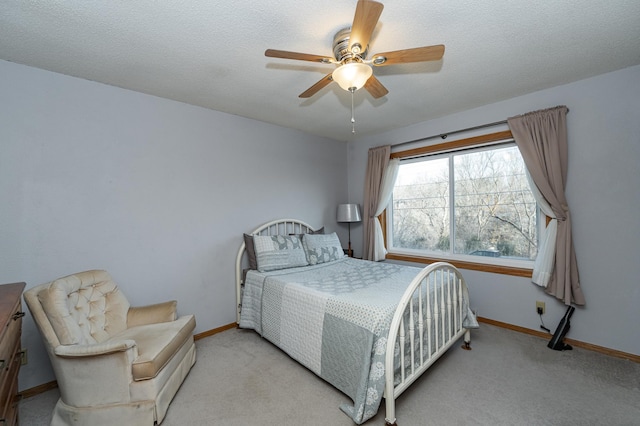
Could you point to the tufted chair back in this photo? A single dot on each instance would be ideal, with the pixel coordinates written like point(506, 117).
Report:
point(85, 308)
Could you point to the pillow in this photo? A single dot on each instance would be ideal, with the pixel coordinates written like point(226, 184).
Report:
point(322, 248)
point(251, 251)
point(278, 252)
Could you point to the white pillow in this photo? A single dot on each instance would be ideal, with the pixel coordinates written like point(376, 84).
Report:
point(322, 248)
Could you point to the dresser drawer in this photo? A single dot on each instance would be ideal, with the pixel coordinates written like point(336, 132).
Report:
point(9, 387)
point(8, 340)
point(10, 329)
point(10, 415)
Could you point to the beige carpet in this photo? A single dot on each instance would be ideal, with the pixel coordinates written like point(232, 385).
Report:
point(507, 379)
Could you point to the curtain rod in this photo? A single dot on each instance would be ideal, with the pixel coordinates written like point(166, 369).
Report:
point(444, 135)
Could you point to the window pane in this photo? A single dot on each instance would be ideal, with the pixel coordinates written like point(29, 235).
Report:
point(495, 212)
point(484, 191)
point(421, 206)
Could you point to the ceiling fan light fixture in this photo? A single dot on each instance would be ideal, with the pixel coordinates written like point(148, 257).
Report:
point(352, 76)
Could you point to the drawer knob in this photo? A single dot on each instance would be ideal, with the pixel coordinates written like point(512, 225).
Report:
point(17, 315)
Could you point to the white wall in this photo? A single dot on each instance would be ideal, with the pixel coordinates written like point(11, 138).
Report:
point(602, 191)
point(156, 192)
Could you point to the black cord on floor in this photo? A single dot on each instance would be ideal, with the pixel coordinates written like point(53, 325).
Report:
point(542, 325)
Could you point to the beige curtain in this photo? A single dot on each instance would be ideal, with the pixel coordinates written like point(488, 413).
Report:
point(541, 137)
point(376, 166)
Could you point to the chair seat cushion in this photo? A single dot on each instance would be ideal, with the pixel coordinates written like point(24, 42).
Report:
point(156, 344)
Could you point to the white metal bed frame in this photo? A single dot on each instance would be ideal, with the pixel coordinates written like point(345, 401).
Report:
point(447, 316)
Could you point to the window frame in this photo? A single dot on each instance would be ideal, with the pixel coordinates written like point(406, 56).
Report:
point(520, 268)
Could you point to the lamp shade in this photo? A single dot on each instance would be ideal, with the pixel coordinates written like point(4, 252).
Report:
point(353, 74)
point(348, 213)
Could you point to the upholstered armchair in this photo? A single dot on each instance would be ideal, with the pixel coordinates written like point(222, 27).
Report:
point(115, 364)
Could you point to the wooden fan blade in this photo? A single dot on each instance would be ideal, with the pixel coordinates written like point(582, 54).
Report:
point(316, 87)
point(376, 88)
point(364, 22)
point(272, 53)
point(418, 54)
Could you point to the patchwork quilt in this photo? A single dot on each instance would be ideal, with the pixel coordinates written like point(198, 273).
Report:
point(334, 319)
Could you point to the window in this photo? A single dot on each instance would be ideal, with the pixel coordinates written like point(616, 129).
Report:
point(472, 204)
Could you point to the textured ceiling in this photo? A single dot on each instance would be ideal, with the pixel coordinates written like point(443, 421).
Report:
point(211, 53)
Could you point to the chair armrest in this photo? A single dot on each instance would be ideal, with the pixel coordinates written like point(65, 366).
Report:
point(94, 349)
point(95, 374)
point(152, 314)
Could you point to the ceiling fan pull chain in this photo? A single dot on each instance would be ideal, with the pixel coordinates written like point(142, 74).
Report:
point(353, 120)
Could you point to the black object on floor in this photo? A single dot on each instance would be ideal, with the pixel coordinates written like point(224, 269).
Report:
point(557, 341)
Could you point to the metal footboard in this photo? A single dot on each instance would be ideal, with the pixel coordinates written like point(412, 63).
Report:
point(426, 323)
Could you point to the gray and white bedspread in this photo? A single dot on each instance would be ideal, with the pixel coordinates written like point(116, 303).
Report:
point(334, 319)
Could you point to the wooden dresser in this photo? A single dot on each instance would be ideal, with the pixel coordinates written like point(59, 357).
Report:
point(10, 353)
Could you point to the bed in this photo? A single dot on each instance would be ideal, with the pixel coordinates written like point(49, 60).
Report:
point(349, 320)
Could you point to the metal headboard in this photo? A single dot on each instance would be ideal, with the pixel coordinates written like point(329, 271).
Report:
point(275, 227)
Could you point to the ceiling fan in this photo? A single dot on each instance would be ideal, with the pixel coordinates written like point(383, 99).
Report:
point(350, 49)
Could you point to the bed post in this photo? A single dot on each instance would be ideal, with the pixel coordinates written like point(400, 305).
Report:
point(467, 340)
point(390, 409)
point(239, 282)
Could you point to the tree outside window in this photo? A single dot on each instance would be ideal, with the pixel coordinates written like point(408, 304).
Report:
point(475, 202)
